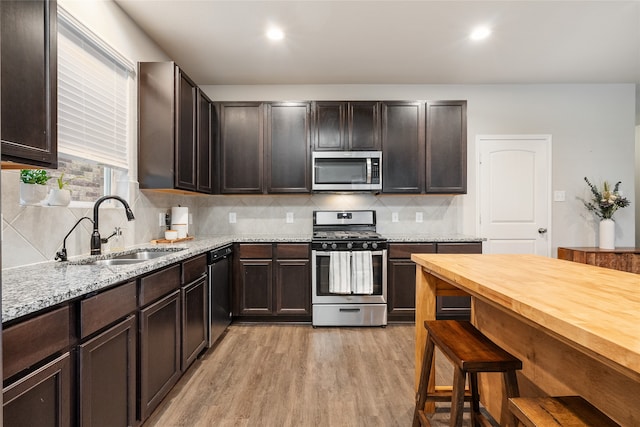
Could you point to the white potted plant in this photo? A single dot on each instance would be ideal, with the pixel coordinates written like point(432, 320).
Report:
point(33, 186)
point(60, 196)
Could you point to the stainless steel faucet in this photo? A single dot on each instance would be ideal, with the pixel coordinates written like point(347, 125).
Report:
point(96, 241)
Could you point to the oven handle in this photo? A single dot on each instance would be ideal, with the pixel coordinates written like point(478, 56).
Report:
point(349, 310)
point(328, 253)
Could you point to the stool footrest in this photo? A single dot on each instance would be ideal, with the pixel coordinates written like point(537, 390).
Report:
point(558, 411)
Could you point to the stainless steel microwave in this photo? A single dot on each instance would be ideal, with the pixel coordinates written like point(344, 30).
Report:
point(347, 171)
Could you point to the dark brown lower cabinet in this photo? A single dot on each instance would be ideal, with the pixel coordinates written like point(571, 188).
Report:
point(194, 321)
point(273, 281)
point(292, 287)
point(401, 281)
point(159, 351)
point(107, 387)
point(41, 398)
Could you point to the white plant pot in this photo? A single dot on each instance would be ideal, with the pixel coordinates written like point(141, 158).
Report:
point(607, 234)
point(32, 194)
point(58, 197)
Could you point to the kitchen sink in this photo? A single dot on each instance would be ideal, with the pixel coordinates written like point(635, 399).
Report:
point(136, 257)
point(143, 255)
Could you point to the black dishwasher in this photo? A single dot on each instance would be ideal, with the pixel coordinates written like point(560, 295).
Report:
point(219, 292)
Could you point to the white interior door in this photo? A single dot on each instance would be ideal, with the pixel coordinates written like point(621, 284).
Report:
point(514, 192)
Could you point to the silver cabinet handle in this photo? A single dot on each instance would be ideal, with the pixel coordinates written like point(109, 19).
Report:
point(542, 230)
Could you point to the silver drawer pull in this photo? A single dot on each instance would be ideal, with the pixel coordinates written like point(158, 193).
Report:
point(349, 310)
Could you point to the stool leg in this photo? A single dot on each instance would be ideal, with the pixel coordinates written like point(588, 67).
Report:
point(421, 395)
point(511, 390)
point(457, 397)
point(475, 399)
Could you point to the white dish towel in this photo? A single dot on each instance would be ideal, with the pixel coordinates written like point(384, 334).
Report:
point(340, 272)
point(361, 273)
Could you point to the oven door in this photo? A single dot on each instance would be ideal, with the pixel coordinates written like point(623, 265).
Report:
point(320, 281)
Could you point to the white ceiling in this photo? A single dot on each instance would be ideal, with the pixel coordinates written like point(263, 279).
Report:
point(396, 42)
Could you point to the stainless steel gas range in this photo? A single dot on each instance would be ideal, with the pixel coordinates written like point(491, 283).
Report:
point(349, 269)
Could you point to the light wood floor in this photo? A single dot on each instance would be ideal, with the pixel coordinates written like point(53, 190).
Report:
point(295, 375)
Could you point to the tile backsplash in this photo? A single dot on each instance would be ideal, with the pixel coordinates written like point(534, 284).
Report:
point(33, 234)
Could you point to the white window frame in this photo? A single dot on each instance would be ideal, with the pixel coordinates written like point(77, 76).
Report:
point(110, 185)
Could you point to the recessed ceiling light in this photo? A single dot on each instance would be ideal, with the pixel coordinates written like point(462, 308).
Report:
point(275, 34)
point(480, 33)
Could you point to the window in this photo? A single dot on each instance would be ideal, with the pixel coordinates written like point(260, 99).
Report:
point(94, 106)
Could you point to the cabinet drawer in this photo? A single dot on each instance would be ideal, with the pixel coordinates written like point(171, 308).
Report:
point(255, 250)
point(194, 268)
point(404, 250)
point(292, 250)
point(105, 308)
point(158, 284)
point(460, 248)
point(29, 342)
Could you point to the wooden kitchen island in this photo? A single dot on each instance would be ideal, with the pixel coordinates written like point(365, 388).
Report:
point(575, 327)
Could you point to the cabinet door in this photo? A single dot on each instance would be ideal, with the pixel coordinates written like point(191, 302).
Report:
point(255, 287)
point(107, 368)
point(42, 398)
point(456, 307)
point(446, 147)
point(241, 143)
point(401, 277)
point(195, 316)
point(293, 296)
point(329, 126)
point(28, 49)
point(364, 125)
point(204, 156)
point(402, 147)
point(159, 351)
point(186, 94)
point(288, 147)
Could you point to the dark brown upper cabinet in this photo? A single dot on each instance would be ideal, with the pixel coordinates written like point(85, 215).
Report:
point(171, 121)
point(241, 147)
point(205, 144)
point(446, 147)
point(403, 147)
point(288, 147)
point(28, 46)
point(264, 147)
point(346, 125)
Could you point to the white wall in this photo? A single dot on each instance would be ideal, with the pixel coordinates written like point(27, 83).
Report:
point(592, 127)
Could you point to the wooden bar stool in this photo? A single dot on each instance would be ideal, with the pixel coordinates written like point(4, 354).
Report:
point(564, 411)
point(470, 352)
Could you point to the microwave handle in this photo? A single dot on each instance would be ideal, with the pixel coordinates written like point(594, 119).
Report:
point(368, 170)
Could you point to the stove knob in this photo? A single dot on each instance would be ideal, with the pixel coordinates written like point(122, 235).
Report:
point(365, 246)
point(334, 246)
point(324, 246)
point(349, 245)
point(374, 245)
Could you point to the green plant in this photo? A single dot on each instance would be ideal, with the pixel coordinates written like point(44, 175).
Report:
point(604, 203)
point(34, 176)
point(62, 182)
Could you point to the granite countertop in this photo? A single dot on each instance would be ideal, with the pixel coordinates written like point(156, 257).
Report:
point(30, 288)
point(459, 238)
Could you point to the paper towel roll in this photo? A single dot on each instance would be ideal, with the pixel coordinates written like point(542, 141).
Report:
point(180, 216)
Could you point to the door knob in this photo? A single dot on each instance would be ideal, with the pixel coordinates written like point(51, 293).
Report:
point(542, 230)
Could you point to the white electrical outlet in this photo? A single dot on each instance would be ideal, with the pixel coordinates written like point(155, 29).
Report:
point(394, 216)
point(559, 196)
point(419, 217)
point(289, 217)
point(232, 217)
point(161, 219)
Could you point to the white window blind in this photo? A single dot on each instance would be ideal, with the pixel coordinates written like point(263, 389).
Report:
point(93, 96)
